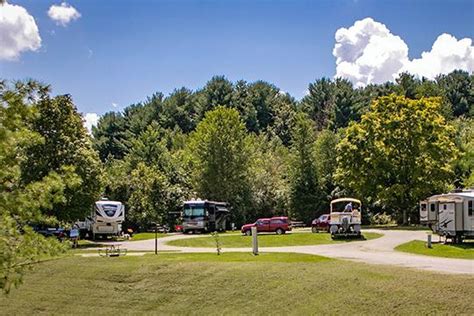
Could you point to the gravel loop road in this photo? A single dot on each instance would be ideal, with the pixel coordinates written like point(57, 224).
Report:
point(375, 251)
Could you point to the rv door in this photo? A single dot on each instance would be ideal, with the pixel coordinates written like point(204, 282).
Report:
point(447, 219)
point(423, 212)
point(432, 211)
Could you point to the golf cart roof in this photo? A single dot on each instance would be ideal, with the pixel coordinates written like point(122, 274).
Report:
point(346, 200)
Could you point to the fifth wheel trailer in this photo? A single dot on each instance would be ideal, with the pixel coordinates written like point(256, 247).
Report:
point(450, 215)
point(106, 219)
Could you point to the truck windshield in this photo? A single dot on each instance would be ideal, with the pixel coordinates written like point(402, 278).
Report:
point(193, 210)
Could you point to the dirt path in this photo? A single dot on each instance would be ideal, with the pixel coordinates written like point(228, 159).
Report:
point(375, 251)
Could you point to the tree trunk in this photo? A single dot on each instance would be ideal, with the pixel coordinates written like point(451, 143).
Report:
point(405, 220)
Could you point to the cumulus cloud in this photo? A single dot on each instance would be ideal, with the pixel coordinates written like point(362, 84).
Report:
point(446, 55)
point(368, 52)
point(18, 32)
point(63, 14)
point(90, 119)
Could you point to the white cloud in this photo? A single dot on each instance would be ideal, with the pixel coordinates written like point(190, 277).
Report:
point(114, 104)
point(18, 32)
point(90, 119)
point(63, 14)
point(446, 55)
point(368, 52)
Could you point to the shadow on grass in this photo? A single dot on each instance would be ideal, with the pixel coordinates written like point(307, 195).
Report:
point(464, 245)
point(91, 245)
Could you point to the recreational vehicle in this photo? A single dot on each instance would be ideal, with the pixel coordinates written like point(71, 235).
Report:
point(204, 216)
point(106, 219)
point(450, 215)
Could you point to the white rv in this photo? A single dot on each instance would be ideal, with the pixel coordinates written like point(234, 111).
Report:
point(450, 215)
point(105, 220)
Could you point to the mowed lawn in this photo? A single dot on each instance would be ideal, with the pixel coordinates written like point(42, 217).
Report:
point(462, 251)
point(236, 284)
point(146, 235)
point(266, 240)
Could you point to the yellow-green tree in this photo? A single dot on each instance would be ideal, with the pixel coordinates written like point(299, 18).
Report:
point(400, 152)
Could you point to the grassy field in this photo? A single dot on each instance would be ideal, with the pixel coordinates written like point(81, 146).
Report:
point(266, 240)
point(144, 236)
point(463, 251)
point(233, 283)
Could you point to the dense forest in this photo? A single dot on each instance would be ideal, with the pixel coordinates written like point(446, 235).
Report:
point(249, 144)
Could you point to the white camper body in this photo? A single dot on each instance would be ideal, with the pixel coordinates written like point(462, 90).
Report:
point(450, 215)
point(105, 220)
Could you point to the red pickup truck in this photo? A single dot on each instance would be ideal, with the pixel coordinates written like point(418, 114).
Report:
point(279, 225)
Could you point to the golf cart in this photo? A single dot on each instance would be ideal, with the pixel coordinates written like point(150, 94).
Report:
point(346, 218)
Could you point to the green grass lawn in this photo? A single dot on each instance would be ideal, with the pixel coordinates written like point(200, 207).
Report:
point(145, 236)
point(265, 240)
point(463, 251)
point(233, 283)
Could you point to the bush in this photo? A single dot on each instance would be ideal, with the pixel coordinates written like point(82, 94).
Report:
point(382, 219)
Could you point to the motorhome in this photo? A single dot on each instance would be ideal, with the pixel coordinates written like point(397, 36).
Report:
point(450, 215)
point(106, 219)
point(204, 216)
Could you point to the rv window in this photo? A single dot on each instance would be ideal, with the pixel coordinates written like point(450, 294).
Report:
point(432, 207)
point(470, 208)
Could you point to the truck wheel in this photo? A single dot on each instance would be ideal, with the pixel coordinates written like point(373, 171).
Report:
point(248, 232)
point(314, 230)
point(280, 231)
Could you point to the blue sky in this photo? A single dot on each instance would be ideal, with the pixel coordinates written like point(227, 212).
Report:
point(123, 51)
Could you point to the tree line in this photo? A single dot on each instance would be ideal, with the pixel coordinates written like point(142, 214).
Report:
point(249, 144)
point(267, 153)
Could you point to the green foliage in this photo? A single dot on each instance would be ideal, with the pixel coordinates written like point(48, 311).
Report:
point(66, 143)
point(464, 165)
point(109, 136)
point(219, 152)
point(458, 89)
point(215, 235)
point(381, 219)
point(400, 152)
point(24, 203)
point(150, 180)
point(148, 199)
point(269, 180)
point(305, 195)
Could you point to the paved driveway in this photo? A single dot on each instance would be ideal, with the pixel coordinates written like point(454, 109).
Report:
point(375, 251)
